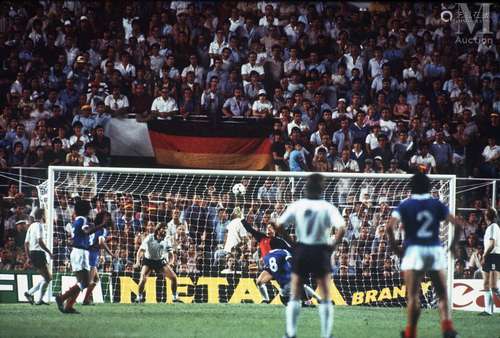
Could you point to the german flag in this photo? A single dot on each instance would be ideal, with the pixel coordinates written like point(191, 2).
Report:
point(200, 145)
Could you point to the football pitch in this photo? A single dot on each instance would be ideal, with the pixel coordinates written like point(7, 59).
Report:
point(223, 320)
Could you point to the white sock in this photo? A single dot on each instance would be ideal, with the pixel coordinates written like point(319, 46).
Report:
point(263, 292)
point(174, 296)
point(325, 310)
point(140, 298)
point(35, 287)
point(310, 293)
point(488, 301)
point(292, 315)
point(43, 289)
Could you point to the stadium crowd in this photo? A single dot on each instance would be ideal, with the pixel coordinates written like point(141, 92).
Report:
point(384, 89)
point(378, 89)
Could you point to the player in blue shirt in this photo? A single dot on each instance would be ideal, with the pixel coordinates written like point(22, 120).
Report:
point(278, 265)
point(79, 257)
point(421, 216)
point(97, 242)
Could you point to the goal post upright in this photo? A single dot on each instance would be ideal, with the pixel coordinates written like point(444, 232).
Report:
point(50, 221)
point(451, 231)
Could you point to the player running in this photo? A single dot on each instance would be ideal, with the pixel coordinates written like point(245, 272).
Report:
point(313, 218)
point(35, 248)
point(421, 215)
point(278, 266)
point(97, 242)
point(154, 246)
point(491, 261)
point(267, 241)
point(79, 257)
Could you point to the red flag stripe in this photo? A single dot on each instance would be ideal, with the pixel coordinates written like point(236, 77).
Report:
point(210, 145)
point(172, 158)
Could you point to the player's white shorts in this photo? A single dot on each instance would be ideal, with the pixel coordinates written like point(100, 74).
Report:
point(79, 259)
point(424, 258)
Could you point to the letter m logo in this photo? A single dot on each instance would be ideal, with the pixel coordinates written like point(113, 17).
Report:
point(472, 19)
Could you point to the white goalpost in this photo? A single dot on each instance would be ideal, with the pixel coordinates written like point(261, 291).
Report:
point(197, 206)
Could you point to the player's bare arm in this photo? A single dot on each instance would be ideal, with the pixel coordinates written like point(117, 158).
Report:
point(393, 222)
point(458, 225)
point(44, 247)
point(103, 245)
point(139, 254)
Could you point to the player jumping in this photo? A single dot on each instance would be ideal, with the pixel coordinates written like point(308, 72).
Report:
point(491, 261)
point(421, 215)
point(267, 241)
point(79, 257)
point(278, 265)
point(35, 248)
point(314, 219)
point(97, 242)
point(154, 246)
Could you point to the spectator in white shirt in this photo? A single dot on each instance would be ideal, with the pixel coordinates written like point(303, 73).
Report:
point(262, 107)
point(235, 20)
point(296, 122)
point(375, 64)
point(78, 139)
point(116, 103)
point(199, 71)
point(386, 74)
point(491, 156)
point(89, 157)
point(252, 65)
point(164, 106)
point(387, 126)
point(354, 60)
point(216, 46)
point(126, 69)
point(413, 71)
point(423, 160)
point(294, 63)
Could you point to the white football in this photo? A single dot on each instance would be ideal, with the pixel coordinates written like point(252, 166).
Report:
point(239, 189)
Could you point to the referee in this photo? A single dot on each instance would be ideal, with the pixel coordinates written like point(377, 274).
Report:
point(35, 249)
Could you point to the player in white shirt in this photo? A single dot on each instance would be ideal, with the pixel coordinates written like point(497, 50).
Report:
point(154, 247)
point(235, 231)
point(314, 220)
point(491, 261)
point(35, 248)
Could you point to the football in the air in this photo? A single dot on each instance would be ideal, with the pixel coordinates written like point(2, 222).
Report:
point(239, 189)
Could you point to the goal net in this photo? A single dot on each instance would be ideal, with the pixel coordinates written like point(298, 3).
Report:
point(197, 206)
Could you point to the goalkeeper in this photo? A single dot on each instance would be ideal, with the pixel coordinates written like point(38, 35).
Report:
point(274, 238)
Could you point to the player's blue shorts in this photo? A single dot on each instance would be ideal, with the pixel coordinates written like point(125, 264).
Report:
point(93, 258)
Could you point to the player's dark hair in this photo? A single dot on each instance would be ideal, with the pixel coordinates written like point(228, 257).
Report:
point(82, 208)
point(420, 184)
point(38, 214)
point(99, 218)
point(314, 186)
point(491, 215)
point(158, 227)
point(282, 233)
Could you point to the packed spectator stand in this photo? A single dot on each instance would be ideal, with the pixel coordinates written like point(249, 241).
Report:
point(388, 88)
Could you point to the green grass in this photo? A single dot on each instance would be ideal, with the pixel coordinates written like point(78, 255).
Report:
point(223, 320)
